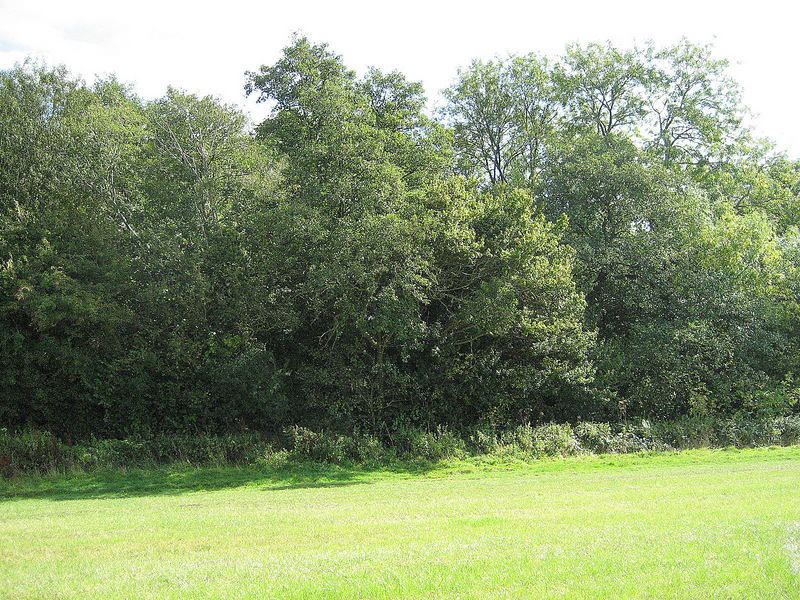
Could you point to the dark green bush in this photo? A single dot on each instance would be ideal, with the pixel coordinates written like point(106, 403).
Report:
point(543, 440)
point(439, 444)
point(593, 437)
point(34, 452)
point(119, 454)
point(789, 429)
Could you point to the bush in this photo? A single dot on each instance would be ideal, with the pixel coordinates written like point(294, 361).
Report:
point(483, 441)
point(196, 450)
point(440, 444)
point(119, 454)
point(640, 438)
point(594, 437)
point(555, 440)
point(34, 452)
point(334, 448)
point(627, 442)
point(544, 440)
point(788, 429)
point(370, 449)
point(686, 433)
point(747, 434)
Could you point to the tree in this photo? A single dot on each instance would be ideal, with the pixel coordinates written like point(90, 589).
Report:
point(116, 130)
point(202, 272)
point(501, 113)
point(536, 112)
point(377, 296)
point(482, 110)
point(63, 314)
point(610, 193)
point(40, 110)
point(763, 183)
point(718, 343)
point(125, 262)
point(349, 256)
point(684, 292)
point(601, 88)
point(505, 322)
point(323, 123)
point(414, 142)
point(197, 143)
point(694, 108)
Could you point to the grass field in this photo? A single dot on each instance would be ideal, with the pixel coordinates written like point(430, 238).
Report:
point(700, 524)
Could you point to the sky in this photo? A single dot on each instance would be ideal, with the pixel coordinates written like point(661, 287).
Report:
point(205, 48)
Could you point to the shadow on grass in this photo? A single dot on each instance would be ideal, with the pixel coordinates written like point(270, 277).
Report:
point(183, 480)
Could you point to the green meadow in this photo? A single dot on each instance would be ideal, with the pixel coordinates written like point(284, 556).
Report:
point(696, 524)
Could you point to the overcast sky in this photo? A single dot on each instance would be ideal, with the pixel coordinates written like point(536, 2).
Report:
point(205, 48)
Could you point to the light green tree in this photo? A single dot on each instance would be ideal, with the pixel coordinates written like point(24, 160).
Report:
point(602, 88)
point(501, 112)
point(694, 108)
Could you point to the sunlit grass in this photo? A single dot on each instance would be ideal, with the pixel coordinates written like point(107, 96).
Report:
point(704, 524)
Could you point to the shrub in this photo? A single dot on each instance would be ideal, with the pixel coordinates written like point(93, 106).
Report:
point(641, 438)
point(483, 441)
point(555, 440)
point(627, 442)
point(690, 432)
point(197, 450)
point(325, 446)
point(745, 434)
point(439, 444)
point(788, 429)
point(593, 437)
point(34, 452)
point(544, 440)
point(370, 449)
point(519, 439)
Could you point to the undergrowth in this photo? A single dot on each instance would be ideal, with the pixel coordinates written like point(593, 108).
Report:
point(37, 452)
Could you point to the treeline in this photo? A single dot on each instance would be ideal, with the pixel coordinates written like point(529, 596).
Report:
point(592, 238)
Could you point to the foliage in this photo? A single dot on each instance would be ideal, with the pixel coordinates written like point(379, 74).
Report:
point(595, 237)
point(501, 113)
point(36, 453)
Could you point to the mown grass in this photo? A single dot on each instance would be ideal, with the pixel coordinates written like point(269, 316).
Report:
point(697, 524)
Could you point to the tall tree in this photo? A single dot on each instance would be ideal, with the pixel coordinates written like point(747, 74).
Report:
point(601, 88)
point(63, 314)
point(426, 275)
point(323, 123)
point(501, 112)
point(535, 115)
point(482, 111)
point(414, 142)
point(694, 109)
point(609, 192)
point(197, 144)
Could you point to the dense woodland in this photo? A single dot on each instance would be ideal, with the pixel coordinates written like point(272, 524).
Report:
point(595, 236)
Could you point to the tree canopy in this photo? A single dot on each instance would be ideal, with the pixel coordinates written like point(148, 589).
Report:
point(589, 236)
